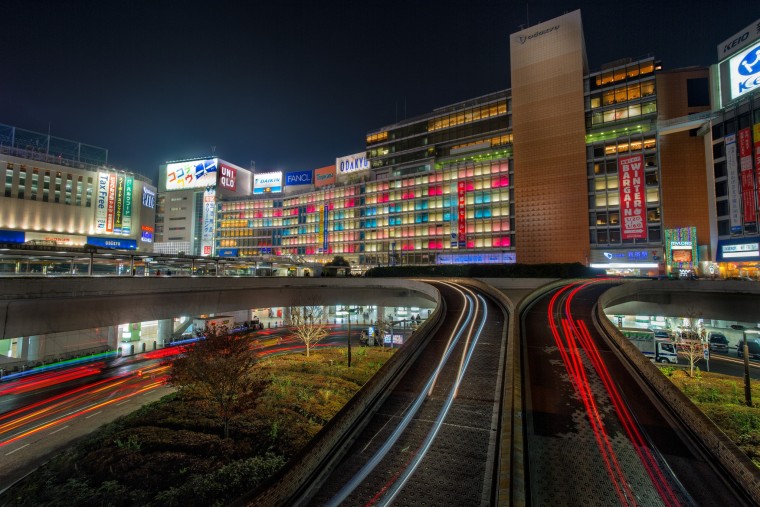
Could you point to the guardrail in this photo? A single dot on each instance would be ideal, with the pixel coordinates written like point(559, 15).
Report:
point(305, 472)
point(722, 448)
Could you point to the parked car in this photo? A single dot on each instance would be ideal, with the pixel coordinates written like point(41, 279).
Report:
point(753, 349)
point(718, 342)
point(663, 333)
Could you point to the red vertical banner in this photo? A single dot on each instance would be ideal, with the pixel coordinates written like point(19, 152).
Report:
point(748, 184)
point(462, 218)
point(757, 157)
point(632, 197)
point(111, 202)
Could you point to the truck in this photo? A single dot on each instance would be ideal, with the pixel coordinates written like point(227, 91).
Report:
point(656, 349)
point(201, 323)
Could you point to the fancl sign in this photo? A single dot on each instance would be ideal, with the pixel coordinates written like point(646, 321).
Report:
point(298, 178)
point(352, 163)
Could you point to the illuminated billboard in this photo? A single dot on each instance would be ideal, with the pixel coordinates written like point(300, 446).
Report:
point(266, 183)
point(227, 177)
point(101, 204)
point(192, 174)
point(324, 176)
point(352, 163)
point(744, 71)
point(632, 197)
point(149, 197)
point(298, 178)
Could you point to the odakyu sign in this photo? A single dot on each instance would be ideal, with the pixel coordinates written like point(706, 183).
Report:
point(191, 174)
point(352, 163)
point(298, 178)
point(266, 183)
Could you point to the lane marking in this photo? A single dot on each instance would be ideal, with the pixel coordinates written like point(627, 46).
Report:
point(56, 431)
point(122, 402)
point(14, 450)
point(93, 415)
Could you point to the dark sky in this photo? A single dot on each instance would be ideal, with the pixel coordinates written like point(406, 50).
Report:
point(289, 84)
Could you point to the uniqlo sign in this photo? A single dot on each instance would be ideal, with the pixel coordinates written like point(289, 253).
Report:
point(632, 197)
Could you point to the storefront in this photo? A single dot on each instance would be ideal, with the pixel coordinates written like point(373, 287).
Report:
point(627, 262)
point(739, 257)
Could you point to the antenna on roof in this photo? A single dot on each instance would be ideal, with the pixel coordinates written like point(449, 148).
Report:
point(253, 166)
point(213, 150)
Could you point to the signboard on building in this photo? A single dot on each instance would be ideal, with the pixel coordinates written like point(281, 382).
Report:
point(266, 183)
point(58, 239)
point(747, 176)
point(734, 191)
point(352, 163)
point(740, 74)
point(209, 215)
point(191, 174)
point(122, 244)
point(633, 209)
point(748, 249)
point(111, 209)
point(756, 132)
point(126, 221)
point(324, 176)
point(298, 178)
point(681, 249)
point(101, 204)
point(119, 204)
point(738, 41)
point(461, 216)
point(227, 177)
point(146, 233)
point(227, 252)
point(149, 197)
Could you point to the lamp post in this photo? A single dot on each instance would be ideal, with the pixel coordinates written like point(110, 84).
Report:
point(350, 311)
point(745, 353)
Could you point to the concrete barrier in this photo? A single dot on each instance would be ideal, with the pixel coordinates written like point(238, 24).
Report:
point(294, 484)
point(730, 457)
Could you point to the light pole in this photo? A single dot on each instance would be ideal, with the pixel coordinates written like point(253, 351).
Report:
point(745, 353)
point(350, 311)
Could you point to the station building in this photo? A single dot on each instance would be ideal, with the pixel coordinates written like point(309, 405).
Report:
point(603, 167)
point(57, 192)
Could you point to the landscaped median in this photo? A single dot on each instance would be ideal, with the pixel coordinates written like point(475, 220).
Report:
point(172, 452)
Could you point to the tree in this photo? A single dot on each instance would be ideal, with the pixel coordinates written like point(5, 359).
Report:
point(339, 263)
point(306, 324)
point(690, 343)
point(218, 368)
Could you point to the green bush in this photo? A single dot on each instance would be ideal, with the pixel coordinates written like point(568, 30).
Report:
point(575, 270)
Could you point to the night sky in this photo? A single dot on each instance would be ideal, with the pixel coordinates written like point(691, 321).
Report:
point(291, 85)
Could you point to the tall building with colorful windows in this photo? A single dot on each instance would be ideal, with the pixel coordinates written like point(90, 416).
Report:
point(610, 167)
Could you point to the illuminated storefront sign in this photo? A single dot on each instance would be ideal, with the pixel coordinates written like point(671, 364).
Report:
point(101, 204)
point(744, 71)
point(681, 248)
point(625, 259)
point(58, 239)
point(632, 202)
point(192, 174)
point(741, 250)
point(126, 221)
point(298, 178)
point(122, 244)
point(738, 41)
point(111, 210)
point(209, 215)
point(747, 177)
point(119, 204)
point(227, 252)
point(146, 233)
point(324, 176)
point(484, 258)
point(11, 236)
point(734, 191)
point(149, 198)
point(227, 177)
point(352, 163)
point(267, 183)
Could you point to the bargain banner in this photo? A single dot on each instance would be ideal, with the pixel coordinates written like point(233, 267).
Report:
point(111, 202)
point(632, 197)
point(101, 204)
point(748, 184)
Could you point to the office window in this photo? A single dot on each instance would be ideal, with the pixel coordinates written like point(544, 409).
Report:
point(8, 180)
point(21, 182)
point(35, 183)
point(46, 186)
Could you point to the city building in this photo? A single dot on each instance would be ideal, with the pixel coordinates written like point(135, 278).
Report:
point(57, 192)
point(186, 209)
point(568, 165)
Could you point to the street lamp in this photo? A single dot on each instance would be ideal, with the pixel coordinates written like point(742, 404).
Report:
point(350, 311)
point(745, 353)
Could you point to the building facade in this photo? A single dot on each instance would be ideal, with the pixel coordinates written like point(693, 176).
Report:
point(59, 192)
